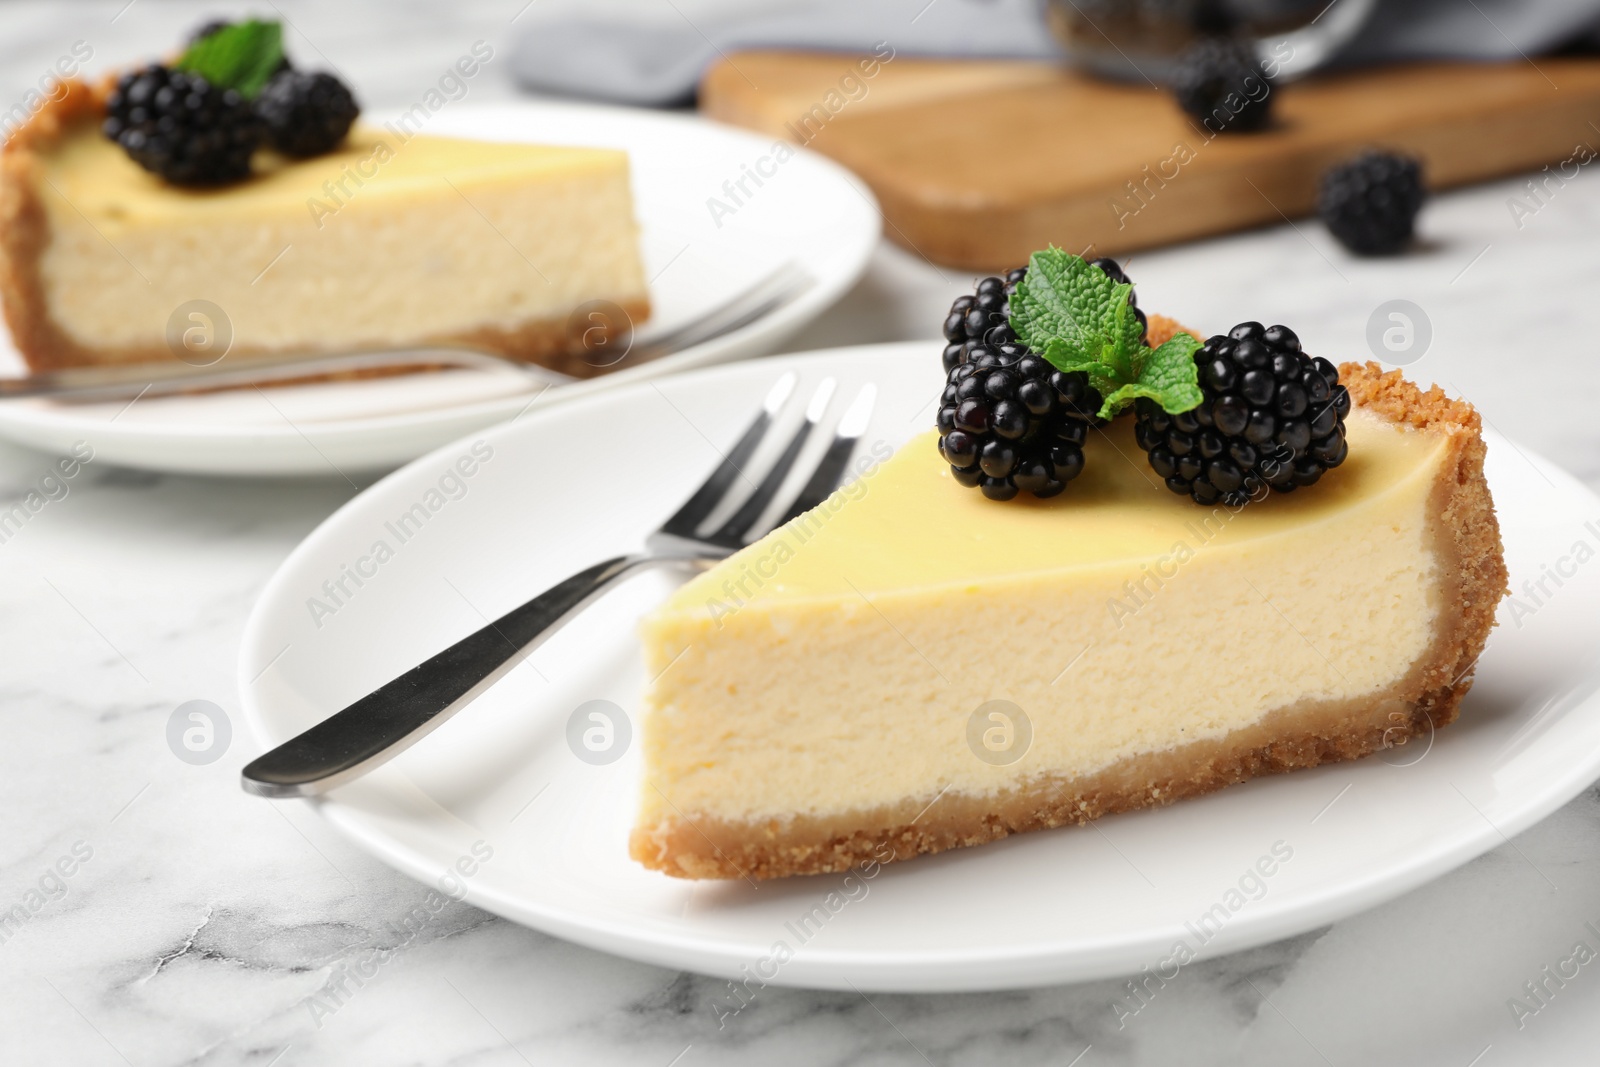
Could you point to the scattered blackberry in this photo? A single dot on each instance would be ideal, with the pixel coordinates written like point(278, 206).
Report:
point(1272, 416)
point(1219, 82)
point(180, 126)
point(306, 114)
point(984, 318)
point(1370, 203)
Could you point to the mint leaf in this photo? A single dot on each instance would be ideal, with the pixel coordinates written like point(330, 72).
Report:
point(1069, 356)
point(1064, 298)
point(1078, 319)
point(1125, 349)
point(1065, 357)
point(242, 57)
point(1169, 377)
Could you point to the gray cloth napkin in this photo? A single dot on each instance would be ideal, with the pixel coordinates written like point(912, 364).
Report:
point(656, 57)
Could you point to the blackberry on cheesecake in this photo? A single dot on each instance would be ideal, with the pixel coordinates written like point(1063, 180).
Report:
point(180, 126)
point(1008, 421)
point(198, 120)
point(306, 113)
point(1036, 358)
point(1271, 416)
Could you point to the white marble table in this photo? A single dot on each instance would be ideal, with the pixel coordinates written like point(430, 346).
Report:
point(204, 925)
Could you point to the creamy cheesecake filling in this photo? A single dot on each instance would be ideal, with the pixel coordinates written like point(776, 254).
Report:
point(913, 590)
point(526, 234)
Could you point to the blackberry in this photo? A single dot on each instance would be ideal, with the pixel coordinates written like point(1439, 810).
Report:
point(1370, 203)
point(1272, 416)
point(1220, 83)
point(178, 125)
point(983, 318)
point(1008, 421)
point(306, 114)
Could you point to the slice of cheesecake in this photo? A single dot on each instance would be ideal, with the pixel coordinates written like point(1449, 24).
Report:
point(390, 241)
point(915, 667)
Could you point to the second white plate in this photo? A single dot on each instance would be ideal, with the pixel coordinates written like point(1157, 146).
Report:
point(811, 213)
point(496, 804)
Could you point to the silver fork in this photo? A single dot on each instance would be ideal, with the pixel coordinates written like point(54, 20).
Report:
point(126, 382)
point(395, 716)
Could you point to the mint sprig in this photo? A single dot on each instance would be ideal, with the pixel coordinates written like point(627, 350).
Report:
point(242, 57)
point(1078, 319)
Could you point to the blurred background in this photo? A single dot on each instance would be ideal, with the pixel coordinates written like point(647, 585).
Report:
point(1199, 142)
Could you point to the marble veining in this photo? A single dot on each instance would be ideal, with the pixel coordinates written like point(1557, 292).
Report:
point(207, 927)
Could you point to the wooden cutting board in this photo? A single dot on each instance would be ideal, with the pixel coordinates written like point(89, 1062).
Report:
point(976, 164)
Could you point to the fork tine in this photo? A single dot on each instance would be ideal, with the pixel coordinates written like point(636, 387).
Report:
point(825, 479)
point(733, 531)
point(705, 499)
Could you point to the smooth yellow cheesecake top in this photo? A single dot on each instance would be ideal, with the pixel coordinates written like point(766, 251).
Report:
point(923, 531)
point(99, 179)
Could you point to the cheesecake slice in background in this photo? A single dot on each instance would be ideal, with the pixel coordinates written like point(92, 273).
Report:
point(382, 243)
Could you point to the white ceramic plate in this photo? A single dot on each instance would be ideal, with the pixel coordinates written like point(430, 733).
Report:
point(811, 212)
point(584, 480)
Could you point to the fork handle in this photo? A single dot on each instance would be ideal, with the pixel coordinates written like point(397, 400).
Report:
point(390, 719)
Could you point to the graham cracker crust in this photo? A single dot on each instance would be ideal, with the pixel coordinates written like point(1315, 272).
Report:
point(1467, 543)
point(1159, 330)
point(45, 346)
point(25, 229)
